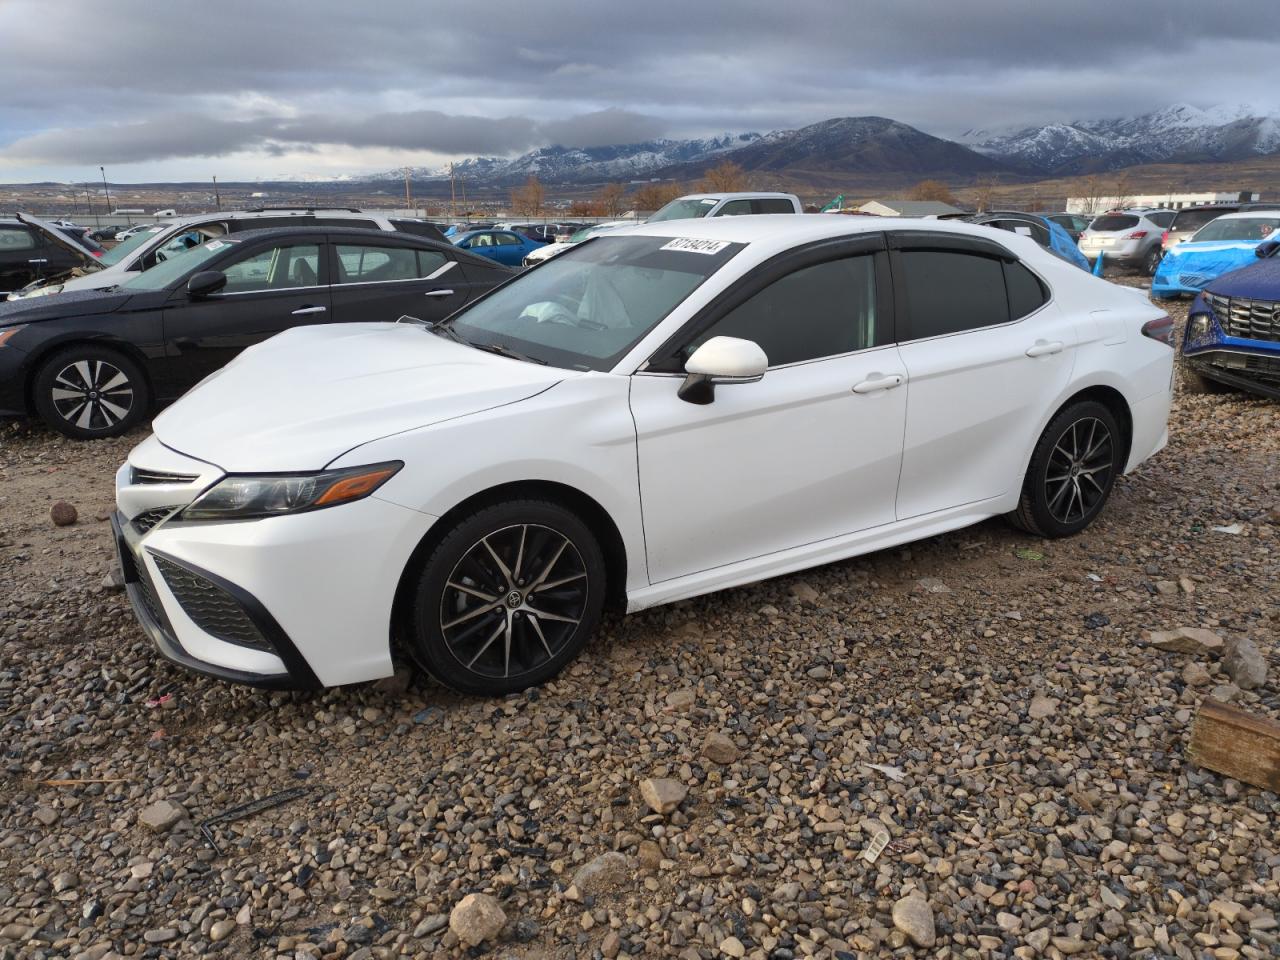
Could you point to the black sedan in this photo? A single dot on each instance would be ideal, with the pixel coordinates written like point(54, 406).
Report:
point(95, 364)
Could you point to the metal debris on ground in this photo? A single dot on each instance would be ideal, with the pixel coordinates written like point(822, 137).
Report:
point(248, 810)
point(893, 773)
point(876, 846)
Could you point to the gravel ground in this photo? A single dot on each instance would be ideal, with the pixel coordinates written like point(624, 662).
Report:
point(1033, 781)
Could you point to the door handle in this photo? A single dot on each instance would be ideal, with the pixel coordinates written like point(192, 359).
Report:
point(302, 311)
point(1042, 348)
point(877, 382)
point(438, 293)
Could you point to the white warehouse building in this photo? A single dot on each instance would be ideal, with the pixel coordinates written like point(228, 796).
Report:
point(1168, 201)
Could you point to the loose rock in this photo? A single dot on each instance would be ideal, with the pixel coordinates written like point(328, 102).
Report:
point(663, 795)
point(477, 917)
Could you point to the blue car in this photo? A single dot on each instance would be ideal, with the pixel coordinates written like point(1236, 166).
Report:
point(1220, 246)
point(1233, 328)
point(504, 246)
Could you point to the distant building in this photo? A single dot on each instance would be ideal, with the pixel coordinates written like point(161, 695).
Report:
point(1168, 201)
point(908, 208)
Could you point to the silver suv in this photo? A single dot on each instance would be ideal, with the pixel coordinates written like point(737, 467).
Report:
point(169, 238)
point(1127, 238)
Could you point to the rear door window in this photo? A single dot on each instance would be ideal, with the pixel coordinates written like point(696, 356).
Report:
point(951, 292)
point(358, 263)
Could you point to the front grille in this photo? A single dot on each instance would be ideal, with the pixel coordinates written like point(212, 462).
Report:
point(149, 519)
point(211, 608)
point(139, 475)
point(1251, 365)
point(1193, 279)
point(1250, 319)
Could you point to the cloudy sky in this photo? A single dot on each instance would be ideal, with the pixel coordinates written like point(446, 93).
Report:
point(245, 89)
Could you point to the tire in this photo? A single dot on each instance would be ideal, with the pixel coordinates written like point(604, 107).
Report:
point(79, 392)
point(1060, 503)
point(484, 620)
point(1152, 261)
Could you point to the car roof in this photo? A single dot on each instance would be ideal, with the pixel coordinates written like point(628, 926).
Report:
point(736, 195)
point(1250, 215)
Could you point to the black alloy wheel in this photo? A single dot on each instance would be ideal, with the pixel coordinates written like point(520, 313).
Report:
point(1072, 471)
point(508, 598)
point(87, 392)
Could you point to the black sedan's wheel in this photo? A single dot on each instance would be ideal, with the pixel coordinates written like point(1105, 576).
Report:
point(1072, 471)
point(86, 392)
point(508, 598)
point(1152, 261)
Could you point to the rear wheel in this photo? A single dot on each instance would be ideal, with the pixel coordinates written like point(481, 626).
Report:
point(1151, 261)
point(508, 598)
point(87, 391)
point(1072, 471)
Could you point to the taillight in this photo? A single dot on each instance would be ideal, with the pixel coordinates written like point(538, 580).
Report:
point(1164, 238)
point(1161, 328)
point(96, 253)
point(1136, 235)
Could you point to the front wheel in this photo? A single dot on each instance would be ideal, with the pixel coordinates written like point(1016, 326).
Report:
point(1072, 471)
point(508, 598)
point(87, 391)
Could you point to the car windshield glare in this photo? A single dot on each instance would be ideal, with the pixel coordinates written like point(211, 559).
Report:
point(686, 208)
point(586, 308)
point(1254, 229)
point(126, 247)
point(178, 266)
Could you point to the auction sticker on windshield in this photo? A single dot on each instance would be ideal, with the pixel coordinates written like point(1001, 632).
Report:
point(689, 245)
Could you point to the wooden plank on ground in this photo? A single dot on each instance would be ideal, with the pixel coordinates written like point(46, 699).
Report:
point(1238, 744)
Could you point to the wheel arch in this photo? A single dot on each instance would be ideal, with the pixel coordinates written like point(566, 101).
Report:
point(1115, 402)
point(37, 359)
point(588, 508)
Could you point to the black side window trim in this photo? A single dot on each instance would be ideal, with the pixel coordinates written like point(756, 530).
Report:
point(950, 242)
point(668, 358)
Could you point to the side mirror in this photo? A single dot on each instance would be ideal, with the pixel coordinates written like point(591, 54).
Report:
point(1267, 248)
point(206, 283)
point(721, 360)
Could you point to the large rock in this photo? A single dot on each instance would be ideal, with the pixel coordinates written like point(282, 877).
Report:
point(161, 815)
point(914, 917)
point(1245, 664)
point(718, 748)
point(1041, 707)
point(1194, 640)
point(662, 795)
point(477, 918)
point(609, 871)
point(62, 514)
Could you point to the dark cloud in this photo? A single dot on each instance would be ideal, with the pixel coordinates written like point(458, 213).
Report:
point(178, 80)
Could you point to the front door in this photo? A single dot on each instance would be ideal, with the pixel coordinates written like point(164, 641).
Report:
point(810, 452)
point(382, 281)
point(269, 289)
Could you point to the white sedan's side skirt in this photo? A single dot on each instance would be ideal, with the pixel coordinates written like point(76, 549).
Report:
point(816, 554)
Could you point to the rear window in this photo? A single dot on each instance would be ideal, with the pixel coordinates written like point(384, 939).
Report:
point(1192, 220)
point(1245, 229)
point(1113, 222)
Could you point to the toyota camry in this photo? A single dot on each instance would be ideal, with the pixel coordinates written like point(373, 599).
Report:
point(659, 412)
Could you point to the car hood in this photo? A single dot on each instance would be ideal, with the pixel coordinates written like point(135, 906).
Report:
point(1258, 281)
point(310, 394)
point(78, 303)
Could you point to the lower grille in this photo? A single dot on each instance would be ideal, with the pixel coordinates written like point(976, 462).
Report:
point(147, 590)
point(149, 519)
point(1249, 319)
point(211, 608)
point(1192, 279)
point(1261, 368)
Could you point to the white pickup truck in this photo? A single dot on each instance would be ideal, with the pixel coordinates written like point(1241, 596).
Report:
point(727, 205)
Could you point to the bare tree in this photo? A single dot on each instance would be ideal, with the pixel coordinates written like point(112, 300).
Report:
point(586, 208)
point(984, 193)
point(654, 195)
point(725, 177)
point(1092, 194)
point(612, 199)
point(932, 190)
point(1123, 189)
point(527, 201)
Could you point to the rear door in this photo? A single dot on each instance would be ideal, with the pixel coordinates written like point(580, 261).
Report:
point(271, 286)
point(986, 352)
point(21, 259)
point(384, 281)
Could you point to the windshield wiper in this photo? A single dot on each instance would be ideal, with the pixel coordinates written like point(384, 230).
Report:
point(444, 330)
point(502, 350)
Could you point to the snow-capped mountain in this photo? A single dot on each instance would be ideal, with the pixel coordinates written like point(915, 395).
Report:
point(1177, 134)
point(557, 164)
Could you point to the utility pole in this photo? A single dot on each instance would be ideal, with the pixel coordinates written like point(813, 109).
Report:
point(217, 199)
point(105, 187)
point(408, 199)
point(453, 195)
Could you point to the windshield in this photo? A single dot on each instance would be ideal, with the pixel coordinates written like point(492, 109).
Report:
point(585, 308)
point(1253, 229)
point(166, 272)
point(126, 247)
point(685, 208)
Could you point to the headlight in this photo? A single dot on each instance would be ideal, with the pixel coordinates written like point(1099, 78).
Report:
point(1199, 326)
point(248, 497)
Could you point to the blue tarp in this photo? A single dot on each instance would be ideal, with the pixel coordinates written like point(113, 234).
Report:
point(1189, 266)
point(1060, 242)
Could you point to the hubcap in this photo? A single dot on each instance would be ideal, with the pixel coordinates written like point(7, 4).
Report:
point(1079, 470)
point(92, 394)
point(514, 601)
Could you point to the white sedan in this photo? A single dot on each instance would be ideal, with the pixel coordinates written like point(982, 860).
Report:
point(656, 413)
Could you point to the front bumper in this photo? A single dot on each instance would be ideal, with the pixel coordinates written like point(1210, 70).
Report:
point(297, 601)
point(1253, 372)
